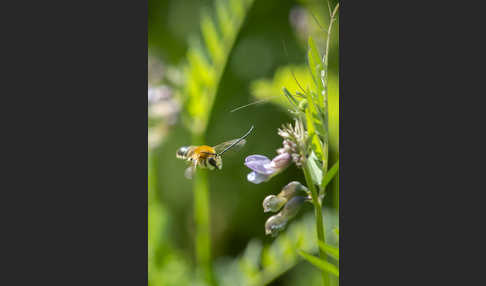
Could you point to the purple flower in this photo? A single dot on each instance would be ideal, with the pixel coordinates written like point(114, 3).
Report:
point(281, 161)
point(263, 168)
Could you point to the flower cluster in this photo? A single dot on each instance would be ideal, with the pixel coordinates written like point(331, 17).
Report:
point(294, 143)
point(294, 139)
point(291, 202)
point(263, 169)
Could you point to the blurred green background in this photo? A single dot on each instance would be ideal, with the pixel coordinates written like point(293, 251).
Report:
point(273, 35)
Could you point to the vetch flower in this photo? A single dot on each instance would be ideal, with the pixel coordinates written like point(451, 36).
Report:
point(274, 203)
point(277, 223)
point(294, 142)
point(259, 164)
point(263, 168)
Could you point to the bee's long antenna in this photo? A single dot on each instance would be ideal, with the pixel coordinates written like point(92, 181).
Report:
point(249, 104)
point(237, 141)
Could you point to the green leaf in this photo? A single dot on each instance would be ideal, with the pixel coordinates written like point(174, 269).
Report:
point(224, 18)
point(290, 97)
point(319, 263)
point(250, 261)
point(315, 125)
point(314, 168)
point(271, 89)
point(237, 7)
point(314, 114)
point(315, 65)
point(202, 71)
point(331, 250)
point(336, 231)
point(330, 174)
point(206, 60)
point(212, 39)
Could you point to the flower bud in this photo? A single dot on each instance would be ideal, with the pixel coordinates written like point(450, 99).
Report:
point(274, 225)
point(273, 203)
point(292, 208)
point(291, 189)
point(283, 133)
point(282, 150)
point(303, 105)
point(281, 161)
point(277, 223)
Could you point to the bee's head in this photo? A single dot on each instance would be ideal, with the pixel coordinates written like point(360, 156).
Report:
point(181, 152)
point(215, 162)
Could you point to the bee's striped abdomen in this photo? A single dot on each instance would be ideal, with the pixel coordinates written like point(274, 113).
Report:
point(203, 163)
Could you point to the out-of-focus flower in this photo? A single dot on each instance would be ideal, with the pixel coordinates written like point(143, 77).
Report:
point(300, 20)
point(156, 70)
point(162, 105)
point(274, 203)
point(277, 223)
point(263, 168)
point(163, 111)
point(305, 22)
point(157, 94)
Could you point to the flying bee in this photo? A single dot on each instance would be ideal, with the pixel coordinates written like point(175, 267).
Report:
point(206, 156)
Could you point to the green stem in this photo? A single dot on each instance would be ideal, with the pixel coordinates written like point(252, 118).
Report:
point(324, 78)
point(319, 221)
point(329, 30)
point(202, 220)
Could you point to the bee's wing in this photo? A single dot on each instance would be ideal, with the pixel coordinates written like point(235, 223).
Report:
point(220, 147)
point(189, 172)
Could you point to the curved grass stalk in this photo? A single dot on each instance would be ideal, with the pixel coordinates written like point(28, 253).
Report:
point(204, 71)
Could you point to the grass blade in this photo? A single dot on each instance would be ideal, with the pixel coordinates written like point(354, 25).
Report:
point(317, 262)
point(331, 250)
point(330, 174)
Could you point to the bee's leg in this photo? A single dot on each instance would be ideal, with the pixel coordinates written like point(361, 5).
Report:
point(189, 172)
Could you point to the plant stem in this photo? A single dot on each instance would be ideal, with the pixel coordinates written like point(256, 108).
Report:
point(329, 30)
point(324, 79)
point(319, 221)
point(202, 220)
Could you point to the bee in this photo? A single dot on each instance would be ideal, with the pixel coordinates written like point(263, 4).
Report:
point(206, 156)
